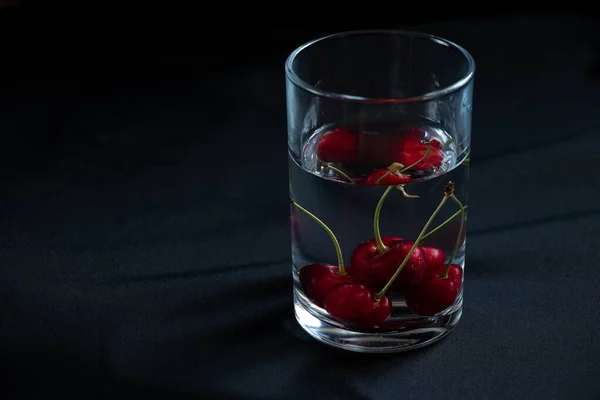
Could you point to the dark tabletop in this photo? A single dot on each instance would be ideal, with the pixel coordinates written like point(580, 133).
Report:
point(145, 246)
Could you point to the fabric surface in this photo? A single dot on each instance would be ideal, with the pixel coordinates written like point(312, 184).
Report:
point(154, 258)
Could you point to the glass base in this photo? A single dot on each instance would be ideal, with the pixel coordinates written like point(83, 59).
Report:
point(378, 342)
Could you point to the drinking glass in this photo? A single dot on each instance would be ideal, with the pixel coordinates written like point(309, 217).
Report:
point(379, 129)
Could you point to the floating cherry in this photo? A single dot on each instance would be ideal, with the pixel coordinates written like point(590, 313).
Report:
point(413, 152)
point(318, 279)
point(356, 304)
point(343, 146)
point(387, 176)
point(338, 146)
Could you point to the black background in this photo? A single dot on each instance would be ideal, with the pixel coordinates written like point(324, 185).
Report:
point(144, 224)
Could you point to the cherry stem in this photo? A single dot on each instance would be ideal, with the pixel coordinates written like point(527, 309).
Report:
point(442, 225)
point(339, 171)
point(396, 168)
point(403, 191)
point(447, 194)
point(458, 239)
point(382, 248)
point(338, 249)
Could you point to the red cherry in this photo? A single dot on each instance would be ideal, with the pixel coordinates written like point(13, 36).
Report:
point(434, 294)
point(435, 257)
point(412, 150)
point(360, 261)
point(376, 269)
point(392, 179)
point(318, 280)
point(355, 303)
point(339, 145)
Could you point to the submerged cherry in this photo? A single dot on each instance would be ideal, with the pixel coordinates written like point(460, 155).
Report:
point(318, 279)
point(375, 268)
point(356, 304)
point(440, 287)
point(338, 146)
point(414, 245)
point(436, 292)
point(434, 256)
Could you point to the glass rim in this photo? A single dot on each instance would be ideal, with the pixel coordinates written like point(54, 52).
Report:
point(457, 85)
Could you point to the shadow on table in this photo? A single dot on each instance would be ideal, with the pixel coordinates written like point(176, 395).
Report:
point(59, 374)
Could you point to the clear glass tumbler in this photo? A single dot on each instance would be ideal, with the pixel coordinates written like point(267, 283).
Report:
point(379, 128)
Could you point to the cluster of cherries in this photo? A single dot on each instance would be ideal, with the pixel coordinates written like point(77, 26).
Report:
point(345, 147)
point(357, 295)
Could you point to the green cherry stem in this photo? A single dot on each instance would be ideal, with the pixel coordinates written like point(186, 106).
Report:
point(382, 248)
point(339, 171)
point(459, 237)
point(338, 249)
point(442, 225)
point(447, 194)
point(396, 168)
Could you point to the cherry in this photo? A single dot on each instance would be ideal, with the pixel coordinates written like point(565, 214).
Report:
point(441, 286)
point(435, 257)
point(354, 303)
point(318, 279)
point(448, 192)
point(339, 145)
point(387, 176)
point(436, 292)
point(343, 146)
point(413, 151)
point(375, 268)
